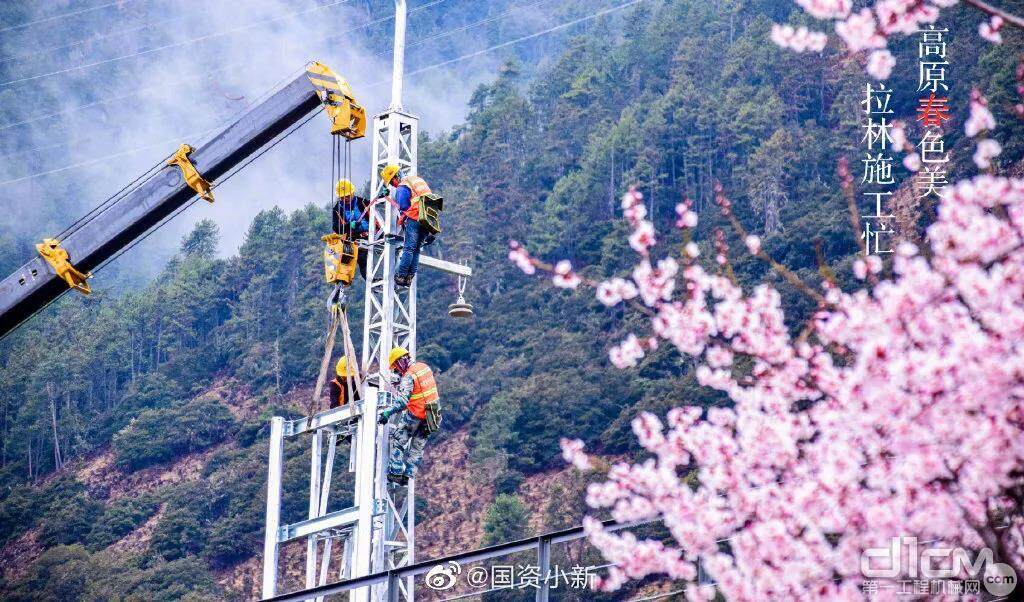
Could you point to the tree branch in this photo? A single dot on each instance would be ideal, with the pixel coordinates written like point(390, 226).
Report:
point(987, 8)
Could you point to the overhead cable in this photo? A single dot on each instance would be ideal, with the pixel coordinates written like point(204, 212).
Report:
point(64, 15)
point(209, 36)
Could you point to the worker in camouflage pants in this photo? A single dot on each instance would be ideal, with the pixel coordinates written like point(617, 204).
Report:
point(414, 400)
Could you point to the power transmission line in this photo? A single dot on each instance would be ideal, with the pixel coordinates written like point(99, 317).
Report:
point(94, 38)
point(104, 158)
point(372, 85)
point(163, 87)
point(64, 15)
point(527, 37)
point(419, 42)
point(174, 45)
point(467, 27)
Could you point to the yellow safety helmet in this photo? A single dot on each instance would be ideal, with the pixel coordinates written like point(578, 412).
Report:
point(396, 354)
point(344, 188)
point(342, 368)
point(388, 172)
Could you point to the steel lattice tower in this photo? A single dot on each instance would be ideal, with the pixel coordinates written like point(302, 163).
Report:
point(378, 532)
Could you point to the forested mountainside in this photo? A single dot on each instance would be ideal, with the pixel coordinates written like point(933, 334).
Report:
point(672, 97)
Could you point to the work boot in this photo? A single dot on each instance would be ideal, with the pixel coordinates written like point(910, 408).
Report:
point(403, 281)
point(398, 479)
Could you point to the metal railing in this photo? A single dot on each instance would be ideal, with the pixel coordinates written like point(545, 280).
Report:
point(540, 544)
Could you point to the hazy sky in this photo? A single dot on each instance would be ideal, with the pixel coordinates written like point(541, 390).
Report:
point(195, 63)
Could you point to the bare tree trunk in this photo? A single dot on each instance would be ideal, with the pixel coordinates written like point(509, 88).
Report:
point(57, 461)
point(277, 364)
point(131, 353)
point(611, 185)
point(53, 417)
point(674, 189)
point(159, 342)
point(3, 448)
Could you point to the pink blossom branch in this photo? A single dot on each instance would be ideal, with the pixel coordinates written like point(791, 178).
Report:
point(994, 11)
point(726, 207)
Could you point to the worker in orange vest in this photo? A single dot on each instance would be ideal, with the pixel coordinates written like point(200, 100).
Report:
point(406, 192)
point(417, 405)
point(339, 388)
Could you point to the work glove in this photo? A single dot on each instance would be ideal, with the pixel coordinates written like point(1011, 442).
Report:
point(384, 417)
point(428, 239)
point(382, 192)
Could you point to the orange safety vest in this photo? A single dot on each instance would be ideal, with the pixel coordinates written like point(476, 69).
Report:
point(424, 390)
point(419, 187)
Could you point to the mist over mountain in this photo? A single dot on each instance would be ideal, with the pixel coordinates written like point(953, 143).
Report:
point(161, 385)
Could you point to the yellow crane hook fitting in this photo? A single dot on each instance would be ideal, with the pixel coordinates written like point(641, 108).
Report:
point(348, 119)
point(60, 261)
point(192, 176)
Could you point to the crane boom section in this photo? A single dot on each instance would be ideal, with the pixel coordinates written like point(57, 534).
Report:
point(37, 283)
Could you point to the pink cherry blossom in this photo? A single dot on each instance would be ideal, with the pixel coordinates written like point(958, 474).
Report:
point(896, 409)
point(654, 284)
point(874, 264)
point(990, 29)
point(564, 277)
point(860, 269)
point(986, 150)
point(753, 243)
point(871, 27)
point(643, 237)
point(627, 353)
point(799, 39)
point(880, 64)
point(904, 16)
point(981, 118)
point(518, 255)
point(633, 207)
point(687, 218)
point(614, 291)
point(902, 413)
point(572, 452)
point(898, 135)
point(860, 31)
point(912, 162)
point(827, 9)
